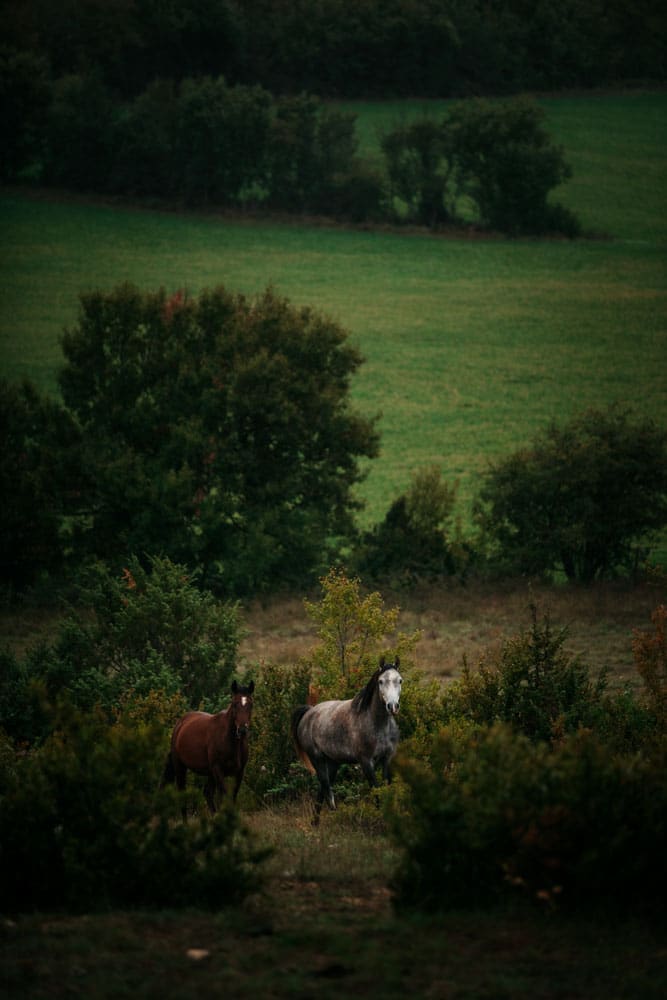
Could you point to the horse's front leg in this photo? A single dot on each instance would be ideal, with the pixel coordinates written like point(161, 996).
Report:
point(209, 794)
point(368, 768)
point(237, 783)
point(386, 770)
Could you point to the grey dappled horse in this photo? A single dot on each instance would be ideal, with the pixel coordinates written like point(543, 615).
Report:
point(361, 730)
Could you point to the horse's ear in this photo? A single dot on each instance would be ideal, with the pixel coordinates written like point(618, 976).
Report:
point(397, 662)
point(382, 663)
point(251, 687)
point(235, 687)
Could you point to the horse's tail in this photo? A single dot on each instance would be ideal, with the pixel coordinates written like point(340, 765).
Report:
point(297, 716)
point(169, 774)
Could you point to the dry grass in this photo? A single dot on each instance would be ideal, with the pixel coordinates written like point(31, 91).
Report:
point(454, 621)
point(457, 622)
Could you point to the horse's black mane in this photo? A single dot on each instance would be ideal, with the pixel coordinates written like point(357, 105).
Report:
point(362, 701)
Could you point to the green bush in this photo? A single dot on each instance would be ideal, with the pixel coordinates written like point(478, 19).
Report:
point(586, 498)
point(24, 99)
point(220, 140)
point(420, 170)
point(83, 828)
point(650, 654)
point(270, 774)
point(419, 536)
point(145, 161)
point(494, 815)
point(506, 163)
point(136, 637)
point(80, 133)
point(532, 683)
point(496, 154)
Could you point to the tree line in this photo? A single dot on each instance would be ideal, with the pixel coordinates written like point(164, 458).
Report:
point(217, 431)
point(348, 48)
point(206, 142)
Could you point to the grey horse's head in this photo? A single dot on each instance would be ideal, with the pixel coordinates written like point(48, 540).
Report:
point(389, 685)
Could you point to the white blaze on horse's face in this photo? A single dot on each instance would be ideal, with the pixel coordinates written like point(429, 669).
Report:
point(389, 686)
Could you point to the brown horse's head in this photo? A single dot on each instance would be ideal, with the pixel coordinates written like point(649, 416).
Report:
point(241, 708)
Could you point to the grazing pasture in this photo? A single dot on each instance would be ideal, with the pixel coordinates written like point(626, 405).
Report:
point(472, 343)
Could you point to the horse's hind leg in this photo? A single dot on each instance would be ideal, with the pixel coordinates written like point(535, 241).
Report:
point(180, 777)
point(326, 774)
point(168, 774)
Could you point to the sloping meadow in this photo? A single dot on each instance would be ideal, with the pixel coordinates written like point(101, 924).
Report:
point(472, 344)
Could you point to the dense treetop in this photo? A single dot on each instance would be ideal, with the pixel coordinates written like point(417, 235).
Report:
point(352, 48)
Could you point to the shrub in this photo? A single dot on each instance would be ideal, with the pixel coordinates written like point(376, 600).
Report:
point(353, 631)
point(418, 537)
point(82, 827)
point(505, 162)
point(22, 716)
point(585, 497)
point(221, 140)
point(650, 654)
point(137, 638)
point(154, 629)
point(420, 170)
point(530, 683)
point(144, 161)
point(357, 193)
point(80, 133)
point(495, 814)
point(495, 153)
point(24, 99)
point(270, 773)
point(309, 148)
point(351, 627)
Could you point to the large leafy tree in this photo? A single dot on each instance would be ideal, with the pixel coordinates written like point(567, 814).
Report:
point(42, 483)
point(219, 431)
point(584, 497)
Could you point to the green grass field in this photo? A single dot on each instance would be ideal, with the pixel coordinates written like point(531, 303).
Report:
point(471, 344)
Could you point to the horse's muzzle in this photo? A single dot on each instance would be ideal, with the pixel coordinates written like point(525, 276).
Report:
point(242, 731)
point(392, 707)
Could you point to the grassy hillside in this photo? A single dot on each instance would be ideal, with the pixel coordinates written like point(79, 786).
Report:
point(471, 344)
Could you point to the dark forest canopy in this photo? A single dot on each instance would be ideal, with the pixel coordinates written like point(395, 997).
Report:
point(348, 48)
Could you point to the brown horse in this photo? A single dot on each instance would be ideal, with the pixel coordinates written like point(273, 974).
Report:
point(215, 746)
